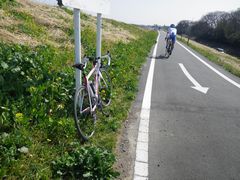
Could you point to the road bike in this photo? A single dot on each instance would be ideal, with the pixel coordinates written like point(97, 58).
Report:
point(169, 47)
point(94, 93)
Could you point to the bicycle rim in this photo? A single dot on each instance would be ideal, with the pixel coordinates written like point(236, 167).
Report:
point(105, 88)
point(85, 120)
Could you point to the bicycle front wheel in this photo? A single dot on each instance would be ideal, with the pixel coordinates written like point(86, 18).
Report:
point(85, 120)
point(105, 87)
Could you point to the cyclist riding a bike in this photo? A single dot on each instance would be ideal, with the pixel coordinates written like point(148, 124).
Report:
point(171, 35)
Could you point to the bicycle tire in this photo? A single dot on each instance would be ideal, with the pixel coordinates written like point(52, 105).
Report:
point(166, 53)
point(84, 119)
point(105, 88)
point(168, 50)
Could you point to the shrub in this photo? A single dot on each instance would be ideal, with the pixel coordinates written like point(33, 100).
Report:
point(85, 163)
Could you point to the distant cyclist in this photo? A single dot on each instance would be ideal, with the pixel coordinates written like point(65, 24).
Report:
point(171, 35)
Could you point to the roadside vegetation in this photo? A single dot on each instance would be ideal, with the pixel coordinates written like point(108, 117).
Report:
point(228, 62)
point(222, 27)
point(213, 32)
point(38, 139)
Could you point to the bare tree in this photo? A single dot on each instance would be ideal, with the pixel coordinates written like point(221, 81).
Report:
point(184, 27)
point(217, 26)
point(213, 18)
point(232, 28)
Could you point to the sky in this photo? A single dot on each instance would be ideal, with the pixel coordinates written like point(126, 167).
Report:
point(164, 12)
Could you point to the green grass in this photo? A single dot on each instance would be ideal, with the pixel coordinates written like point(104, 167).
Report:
point(69, 11)
point(21, 15)
point(6, 3)
point(213, 57)
point(36, 111)
point(27, 25)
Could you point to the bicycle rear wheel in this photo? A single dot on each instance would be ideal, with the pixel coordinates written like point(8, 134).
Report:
point(105, 88)
point(85, 120)
point(167, 49)
point(166, 53)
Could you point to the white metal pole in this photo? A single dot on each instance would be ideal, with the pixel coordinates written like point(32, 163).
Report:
point(99, 34)
point(77, 37)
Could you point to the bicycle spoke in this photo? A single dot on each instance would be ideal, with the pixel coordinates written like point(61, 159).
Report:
point(84, 119)
point(105, 89)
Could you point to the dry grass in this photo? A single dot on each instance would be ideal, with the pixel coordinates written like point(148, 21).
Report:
point(5, 20)
point(109, 31)
point(18, 38)
point(109, 34)
point(13, 36)
point(53, 18)
point(55, 21)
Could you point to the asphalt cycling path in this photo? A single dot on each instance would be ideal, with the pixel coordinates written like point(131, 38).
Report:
point(192, 134)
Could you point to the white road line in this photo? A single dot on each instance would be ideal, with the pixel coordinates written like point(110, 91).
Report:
point(196, 86)
point(212, 68)
point(141, 162)
point(140, 178)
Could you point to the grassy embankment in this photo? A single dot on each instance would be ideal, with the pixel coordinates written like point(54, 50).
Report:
point(228, 62)
point(37, 133)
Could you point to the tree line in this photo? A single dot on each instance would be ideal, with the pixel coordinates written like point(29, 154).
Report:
point(223, 27)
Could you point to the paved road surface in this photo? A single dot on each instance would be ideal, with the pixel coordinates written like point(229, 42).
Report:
point(192, 135)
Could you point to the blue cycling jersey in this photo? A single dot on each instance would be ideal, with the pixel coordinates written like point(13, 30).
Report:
point(172, 33)
point(173, 37)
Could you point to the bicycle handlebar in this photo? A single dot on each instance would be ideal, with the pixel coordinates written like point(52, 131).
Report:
point(85, 60)
point(83, 64)
point(108, 57)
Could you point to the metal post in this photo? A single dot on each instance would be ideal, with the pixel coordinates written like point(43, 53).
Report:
point(99, 34)
point(77, 37)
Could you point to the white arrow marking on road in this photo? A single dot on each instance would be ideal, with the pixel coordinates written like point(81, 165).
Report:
point(212, 68)
point(196, 86)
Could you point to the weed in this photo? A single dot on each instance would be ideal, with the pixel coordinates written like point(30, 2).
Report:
point(85, 163)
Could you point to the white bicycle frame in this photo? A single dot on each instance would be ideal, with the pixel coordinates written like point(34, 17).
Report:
point(95, 70)
point(98, 75)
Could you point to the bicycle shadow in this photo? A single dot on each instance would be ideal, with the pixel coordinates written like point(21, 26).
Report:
point(160, 57)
